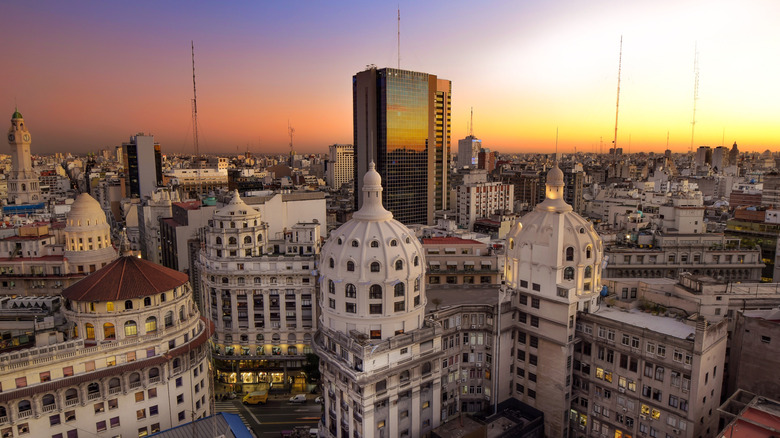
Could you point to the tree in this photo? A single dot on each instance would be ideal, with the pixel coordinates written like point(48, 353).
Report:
point(312, 367)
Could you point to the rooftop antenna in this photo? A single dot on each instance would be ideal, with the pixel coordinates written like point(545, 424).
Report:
point(471, 123)
point(667, 139)
point(695, 92)
point(617, 103)
point(556, 144)
point(195, 121)
point(291, 132)
point(399, 37)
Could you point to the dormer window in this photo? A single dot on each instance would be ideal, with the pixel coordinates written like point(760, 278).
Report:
point(570, 254)
point(374, 244)
point(355, 244)
point(374, 266)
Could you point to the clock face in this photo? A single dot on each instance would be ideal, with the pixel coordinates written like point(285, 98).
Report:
point(26, 137)
point(11, 137)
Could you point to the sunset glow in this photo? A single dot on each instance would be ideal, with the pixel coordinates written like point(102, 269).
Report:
point(87, 75)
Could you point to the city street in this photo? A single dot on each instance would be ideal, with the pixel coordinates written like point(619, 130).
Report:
point(277, 415)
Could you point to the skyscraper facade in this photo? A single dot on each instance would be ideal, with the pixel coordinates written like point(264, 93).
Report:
point(341, 162)
point(468, 149)
point(401, 121)
point(143, 165)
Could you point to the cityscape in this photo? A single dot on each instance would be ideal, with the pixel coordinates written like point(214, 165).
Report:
point(402, 257)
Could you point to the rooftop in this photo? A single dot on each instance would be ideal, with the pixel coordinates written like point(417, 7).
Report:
point(660, 324)
point(449, 241)
point(126, 278)
point(451, 296)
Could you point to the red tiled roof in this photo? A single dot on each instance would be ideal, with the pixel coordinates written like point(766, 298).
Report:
point(188, 205)
point(116, 371)
point(449, 241)
point(126, 278)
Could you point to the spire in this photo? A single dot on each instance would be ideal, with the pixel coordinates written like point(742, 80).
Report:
point(372, 209)
point(554, 192)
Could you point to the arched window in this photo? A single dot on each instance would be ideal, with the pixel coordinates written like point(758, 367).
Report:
point(374, 266)
point(259, 238)
point(570, 254)
point(147, 301)
point(399, 290)
point(162, 297)
point(404, 376)
point(134, 378)
point(71, 394)
point(588, 251)
point(511, 243)
point(128, 304)
point(110, 306)
point(93, 388)
point(350, 266)
point(416, 261)
point(355, 243)
point(350, 291)
point(332, 262)
point(232, 241)
point(588, 272)
point(109, 333)
point(131, 329)
point(374, 244)
point(168, 321)
point(292, 350)
point(426, 368)
point(176, 363)
point(151, 324)
point(247, 239)
point(154, 372)
point(399, 264)
point(219, 240)
point(225, 280)
point(47, 400)
point(331, 287)
point(393, 242)
point(90, 329)
point(181, 313)
point(24, 405)
point(339, 241)
point(114, 383)
point(257, 280)
point(417, 284)
point(375, 292)
point(568, 273)
point(260, 337)
point(276, 338)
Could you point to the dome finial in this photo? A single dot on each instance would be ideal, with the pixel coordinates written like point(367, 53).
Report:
point(372, 208)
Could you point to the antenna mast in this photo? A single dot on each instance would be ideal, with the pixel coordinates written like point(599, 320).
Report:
point(195, 121)
point(617, 103)
point(695, 92)
point(291, 131)
point(471, 123)
point(399, 37)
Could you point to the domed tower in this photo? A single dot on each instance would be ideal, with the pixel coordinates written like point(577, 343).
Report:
point(553, 270)
point(377, 354)
point(372, 272)
point(23, 185)
point(87, 237)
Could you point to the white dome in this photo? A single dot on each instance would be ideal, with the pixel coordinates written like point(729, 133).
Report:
point(553, 245)
point(85, 213)
point(372, 272)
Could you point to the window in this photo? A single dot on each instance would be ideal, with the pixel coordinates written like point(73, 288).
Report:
point(399, 265)
point(374, 266)
point(399, 290)
point(350, 291)
point(350, 266)
point(568, 273)
point(399, 306)
point(375, 309)
point(570, 254)
point(375, 292)
point(131, 329)
point(535, 303)
point(351, 308)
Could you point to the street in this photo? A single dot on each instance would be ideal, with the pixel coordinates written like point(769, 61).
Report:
point(277, 415)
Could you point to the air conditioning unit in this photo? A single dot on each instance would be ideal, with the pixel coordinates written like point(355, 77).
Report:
point(625, 410)
point(676, 431)
point(487, 347)
point(479, 365)
point(621, 390)
point(644, 417)
point(473, 326)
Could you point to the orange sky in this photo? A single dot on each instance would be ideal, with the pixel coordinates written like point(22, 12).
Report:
point(89, 75)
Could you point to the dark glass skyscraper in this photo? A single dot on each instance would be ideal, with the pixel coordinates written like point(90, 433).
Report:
point(401, 121)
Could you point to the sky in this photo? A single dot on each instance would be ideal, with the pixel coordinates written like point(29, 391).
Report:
point(88, 75)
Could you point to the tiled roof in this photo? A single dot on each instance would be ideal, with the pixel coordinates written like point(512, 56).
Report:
point(449, 241)
point(126, 278)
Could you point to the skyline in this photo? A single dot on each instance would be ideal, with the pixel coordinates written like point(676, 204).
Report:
point(526, 69)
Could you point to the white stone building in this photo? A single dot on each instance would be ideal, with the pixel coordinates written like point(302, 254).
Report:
point(341, 165)
point(378, 356)
point(135, 361)
point(23, 184)
point(482, 200)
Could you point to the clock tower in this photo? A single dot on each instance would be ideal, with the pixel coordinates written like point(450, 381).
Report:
point(23, 185)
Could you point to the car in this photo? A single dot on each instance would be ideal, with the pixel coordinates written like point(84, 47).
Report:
point(319, 400)
point(254, 398)
point(298, 398)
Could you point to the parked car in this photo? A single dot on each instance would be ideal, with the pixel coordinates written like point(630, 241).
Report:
point(298, 398)
point(257, 397)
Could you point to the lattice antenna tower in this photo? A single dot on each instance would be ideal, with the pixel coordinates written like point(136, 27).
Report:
point(695, 93)
point(617, 103)
point(291, 133)
point(399, 37)
point(195, 121)
point(471, 123)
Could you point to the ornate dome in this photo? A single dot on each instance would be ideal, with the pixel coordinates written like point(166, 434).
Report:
point(237, 209)
point(85, 213)
point(554, 243)
point(372, 271)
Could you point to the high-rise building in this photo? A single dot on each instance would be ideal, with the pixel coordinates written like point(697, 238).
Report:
point(482, 200)
point(341, 165)
point(143, 165)
point(468, 149)
point(401, 121)
point(23, 186)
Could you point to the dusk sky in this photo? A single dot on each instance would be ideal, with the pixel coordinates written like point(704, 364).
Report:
point(87, 75)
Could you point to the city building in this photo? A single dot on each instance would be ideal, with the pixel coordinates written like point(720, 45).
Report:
point(468, 151)
point(23, 184)
point(402, 124)
point(483, 200)
point(260, 291)
point(453, 261)
point(143, 165)
point(755, 344)
point(378, 354)
point(132, 359)
point(553, 273)
point(341, 165)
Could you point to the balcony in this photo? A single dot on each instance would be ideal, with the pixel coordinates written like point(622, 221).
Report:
point(25, 414)
point(72, 402)
point(49, 408)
